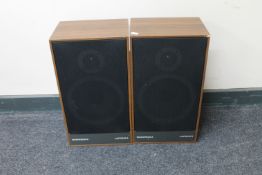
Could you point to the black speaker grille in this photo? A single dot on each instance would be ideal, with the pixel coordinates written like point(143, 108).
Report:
point(158, 99)
point(167, 82)
point(91, 61)
point(93, 83)
point(168, 59)
point(95, 101)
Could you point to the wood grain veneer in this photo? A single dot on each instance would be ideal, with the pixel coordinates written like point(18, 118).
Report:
point(167, 27)
point(90, 30)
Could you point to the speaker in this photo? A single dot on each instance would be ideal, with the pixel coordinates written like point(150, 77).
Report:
point(91, 64)
point(169, 58)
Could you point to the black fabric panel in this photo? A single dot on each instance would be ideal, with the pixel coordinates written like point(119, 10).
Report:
point(93, 82)
point(167, 82)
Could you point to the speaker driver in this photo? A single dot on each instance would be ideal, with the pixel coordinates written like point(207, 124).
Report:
point(95, 101)
point(91, 61)
point(166, 99)
point(168, 59)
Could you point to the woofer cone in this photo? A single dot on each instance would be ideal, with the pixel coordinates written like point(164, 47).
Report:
point(166, 99)
point(95, 101)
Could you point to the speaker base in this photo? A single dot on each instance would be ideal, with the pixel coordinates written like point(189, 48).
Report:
point(165, 136)
point(104, 138)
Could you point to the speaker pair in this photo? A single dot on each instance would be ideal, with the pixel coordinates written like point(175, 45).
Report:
point(142, 86)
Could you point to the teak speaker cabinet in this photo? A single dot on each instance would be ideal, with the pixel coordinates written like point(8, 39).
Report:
point(104, 36)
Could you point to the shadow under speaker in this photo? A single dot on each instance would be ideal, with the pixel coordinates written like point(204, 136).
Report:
point(169, 58)
point(91, 63)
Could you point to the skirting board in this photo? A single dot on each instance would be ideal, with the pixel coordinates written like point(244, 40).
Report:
point(227, 97)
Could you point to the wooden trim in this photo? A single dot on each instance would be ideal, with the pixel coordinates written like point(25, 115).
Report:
point(130, 91)
point(201, 92)
point(60, 94)
point(131, 97)
point(131, 81)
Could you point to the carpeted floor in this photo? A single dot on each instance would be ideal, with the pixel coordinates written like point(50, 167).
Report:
point(33, 143)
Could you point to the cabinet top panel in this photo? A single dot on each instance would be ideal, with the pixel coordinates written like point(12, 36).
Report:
point(90, 29)
point(167, 27)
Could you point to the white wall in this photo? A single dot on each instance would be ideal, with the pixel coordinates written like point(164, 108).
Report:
point(235, 59)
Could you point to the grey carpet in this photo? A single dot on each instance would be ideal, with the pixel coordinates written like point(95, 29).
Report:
point(33, 143)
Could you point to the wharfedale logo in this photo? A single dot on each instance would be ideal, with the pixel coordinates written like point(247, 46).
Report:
point(144, 137)
point(186, 136)
point(121, 138)
point(80, 139)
